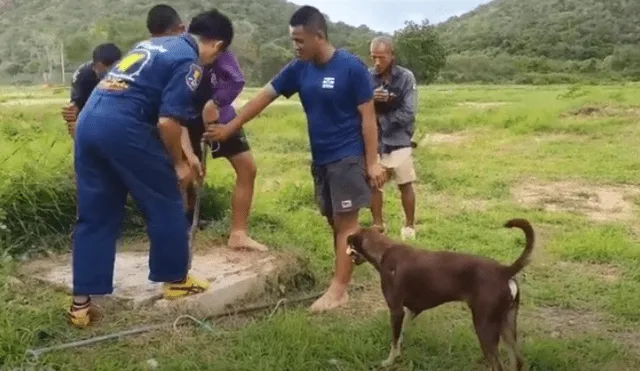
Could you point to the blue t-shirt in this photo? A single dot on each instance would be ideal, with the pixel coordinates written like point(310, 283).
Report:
point(330, 94)
point(157, 78)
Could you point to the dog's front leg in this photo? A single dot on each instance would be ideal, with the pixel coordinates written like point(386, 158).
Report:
point(397, 319)
point(392, 291)
point(408, 317)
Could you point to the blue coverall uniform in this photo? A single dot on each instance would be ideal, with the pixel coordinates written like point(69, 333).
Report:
point(118, 149)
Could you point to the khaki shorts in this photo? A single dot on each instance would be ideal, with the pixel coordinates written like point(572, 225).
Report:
point(400, 165)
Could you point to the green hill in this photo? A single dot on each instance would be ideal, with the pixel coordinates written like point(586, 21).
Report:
point(588, 37)
point(33, 33)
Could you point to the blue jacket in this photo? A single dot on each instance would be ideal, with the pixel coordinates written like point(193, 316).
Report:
point(157, 78)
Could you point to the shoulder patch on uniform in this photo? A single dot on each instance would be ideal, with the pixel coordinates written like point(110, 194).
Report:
point(194, 76)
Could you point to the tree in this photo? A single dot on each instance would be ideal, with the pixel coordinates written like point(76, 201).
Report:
point(12, 69)
point(419, 49)
point(77, 49)
point(272, 59)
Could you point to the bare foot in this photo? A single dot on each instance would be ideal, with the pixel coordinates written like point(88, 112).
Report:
point(240, 240)
point(335, 296)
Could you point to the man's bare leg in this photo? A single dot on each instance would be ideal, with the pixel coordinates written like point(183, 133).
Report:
point(336, 295)
point(377, 201)
point(408, 203)
point(408, 197)
point(246, 171)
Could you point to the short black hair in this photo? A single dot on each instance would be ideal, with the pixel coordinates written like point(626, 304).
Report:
point(311, 19)
point(161, 19)
point(212, 25)
point(107, 54)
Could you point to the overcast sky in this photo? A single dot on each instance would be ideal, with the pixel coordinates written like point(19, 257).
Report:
point(380, 15)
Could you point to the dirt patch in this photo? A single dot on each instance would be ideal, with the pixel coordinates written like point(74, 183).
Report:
point(604, 111)
point(565, 323)
point(369, 295)
point(555, 138)
point(441, 138)
point(558, 323)
point(562, 323)
point(482, 105)
point(599, 203)
point(604, 272)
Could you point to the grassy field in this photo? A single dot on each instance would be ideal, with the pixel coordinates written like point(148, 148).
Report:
point(567, 158)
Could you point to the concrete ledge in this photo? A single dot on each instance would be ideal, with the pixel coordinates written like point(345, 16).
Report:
point(225, 291)
point(234, 276)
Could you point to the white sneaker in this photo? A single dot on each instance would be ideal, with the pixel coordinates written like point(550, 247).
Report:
point(408, 233)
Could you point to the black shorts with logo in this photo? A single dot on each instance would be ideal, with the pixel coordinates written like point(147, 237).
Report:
point(341, 186)
point(233, 146)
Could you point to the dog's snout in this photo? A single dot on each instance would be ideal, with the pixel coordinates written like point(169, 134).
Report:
point(351, 240)
point(356, 258)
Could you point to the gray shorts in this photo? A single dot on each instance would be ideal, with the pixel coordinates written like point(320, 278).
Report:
point(341, 186)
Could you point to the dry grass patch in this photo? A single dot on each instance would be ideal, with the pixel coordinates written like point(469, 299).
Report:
point(604, 111)
point(482, 105)
point(604, 272)
point(442, 138)
point(599, 203)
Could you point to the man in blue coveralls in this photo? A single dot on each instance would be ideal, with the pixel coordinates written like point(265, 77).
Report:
point(128, 140)
point(336, 91)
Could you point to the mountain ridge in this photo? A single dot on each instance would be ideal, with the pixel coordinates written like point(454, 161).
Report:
point(34, 32)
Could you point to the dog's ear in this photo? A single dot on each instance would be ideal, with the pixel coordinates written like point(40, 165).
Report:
point(351, 240)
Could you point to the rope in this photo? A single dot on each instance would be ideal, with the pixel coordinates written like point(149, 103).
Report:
point(196, 209)
point(35, 354)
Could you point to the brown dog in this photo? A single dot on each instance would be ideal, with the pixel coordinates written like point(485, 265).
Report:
point(415, 280)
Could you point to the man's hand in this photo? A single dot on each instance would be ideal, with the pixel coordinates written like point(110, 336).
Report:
point(381, 95)
point(219, 132)
point(70, 115)
point(70, 112)
point(71, 128)
point(185, 174)
point(196, 167)
point(377, 175)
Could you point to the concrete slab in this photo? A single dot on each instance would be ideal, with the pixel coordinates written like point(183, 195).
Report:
point(234, 276)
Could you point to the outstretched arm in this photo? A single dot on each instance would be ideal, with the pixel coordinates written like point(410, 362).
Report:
point(254, 106)
point(285, 83)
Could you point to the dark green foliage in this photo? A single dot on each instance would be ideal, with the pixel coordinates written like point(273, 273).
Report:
point(419, 49)
point(31, 33)
point(544, 41)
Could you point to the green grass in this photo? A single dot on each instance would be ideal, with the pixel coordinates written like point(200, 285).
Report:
point(580, 295)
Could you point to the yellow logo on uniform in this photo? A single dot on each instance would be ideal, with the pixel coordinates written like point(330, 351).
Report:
point(194, 76)
point(129, 61)
point(130, 66)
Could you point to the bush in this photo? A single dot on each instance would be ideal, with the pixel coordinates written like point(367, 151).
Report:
point(38, 210)
point(505, 69)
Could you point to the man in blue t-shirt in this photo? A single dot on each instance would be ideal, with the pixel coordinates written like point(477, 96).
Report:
point(128, 139)
point(336, 91)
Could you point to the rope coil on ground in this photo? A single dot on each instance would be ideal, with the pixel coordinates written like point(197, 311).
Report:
point(33, 355)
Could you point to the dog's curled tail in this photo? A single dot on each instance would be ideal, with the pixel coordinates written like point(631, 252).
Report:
point(525, 257)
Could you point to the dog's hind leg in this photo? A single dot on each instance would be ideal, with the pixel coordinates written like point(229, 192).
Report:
point(397, 323)
point(509, 332)
point(488, 333)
